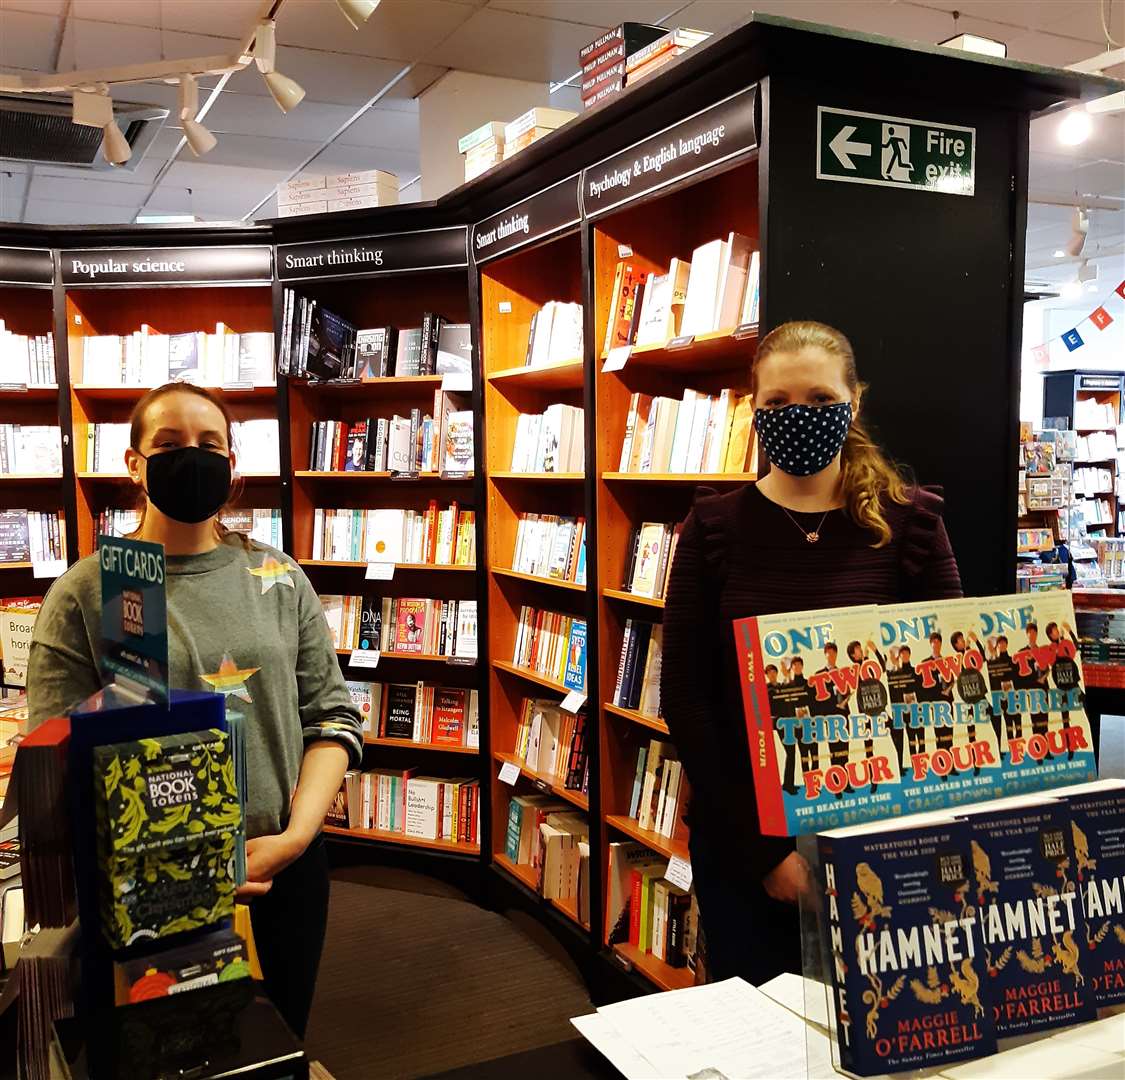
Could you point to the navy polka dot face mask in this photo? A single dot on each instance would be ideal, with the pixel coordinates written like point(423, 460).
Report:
point(803, 439)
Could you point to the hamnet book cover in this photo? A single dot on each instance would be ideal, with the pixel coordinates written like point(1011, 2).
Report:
point(907, 964)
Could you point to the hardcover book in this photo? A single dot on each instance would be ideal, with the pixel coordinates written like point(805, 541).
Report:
point(458, 455)
point(399, 720)
point(410, 630)
point(449, 715)
point(329, 344)
point(375, 350)
point(907, 957)
point(1030, 912)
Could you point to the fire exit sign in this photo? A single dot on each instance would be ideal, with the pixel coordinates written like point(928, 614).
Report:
point(894, 151)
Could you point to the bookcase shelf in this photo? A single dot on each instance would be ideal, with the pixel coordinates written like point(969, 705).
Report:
point(632, 598)
point(29, 478)
point(132, 394)
point(391, 385)
point(525, 875)
point(371, 477)
point(718, 350)
point(426, 658)
point(550, 783)
point(533, 478)
point(15, 565)
point(691, 479)
point(663, 975)
point(668, 846)
point(37, 393)
point(554, 583)
point(565, 376)
point(406, 744)
point(653, 722)
point(530, 676)
point(452, 846)
point(404, 567)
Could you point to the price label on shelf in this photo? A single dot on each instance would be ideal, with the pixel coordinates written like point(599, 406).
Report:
point(624, 251)
point(364, 658)
point(48, 568)
point(380, 571)
point(13, 388)
point(457, 382)
point(455, 474)
point(461, 661)
point(504, 307)
point(410, 474)
point(745, 330)
point(509, 772)
point(574, 701)
point(242, 384)
point(681, 342)
point(679, 872)
point(618, 357)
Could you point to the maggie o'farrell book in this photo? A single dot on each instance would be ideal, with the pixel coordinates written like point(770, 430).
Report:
point(909, 987)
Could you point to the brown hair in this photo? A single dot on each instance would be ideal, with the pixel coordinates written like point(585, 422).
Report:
point(136, 433)
point(867, 476)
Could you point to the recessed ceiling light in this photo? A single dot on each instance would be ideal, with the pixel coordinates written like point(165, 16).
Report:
point(1071, 290)
point(1059, 253)
point(1075, 127)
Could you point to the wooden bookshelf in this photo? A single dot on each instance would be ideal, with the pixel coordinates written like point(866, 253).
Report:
point(565, 376)
point(667, 846)
point(426, 658)
point(663, 975)
point(553, 784)
point(633, 598)
point(538, 478)
point(687, 479)
point(653, 722)
point(403, 567)
point(718, 350)
point(553, 583)
point(132, 394)
point(530, 676)
point(525, 875)
point(451, 846)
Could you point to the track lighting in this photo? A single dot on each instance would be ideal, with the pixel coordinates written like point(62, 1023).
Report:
point(285, 91)
point(265, 46)
point(92, 108)
point(357, 11)
point(198, 137)
point(115, 147)
point(1079, 227)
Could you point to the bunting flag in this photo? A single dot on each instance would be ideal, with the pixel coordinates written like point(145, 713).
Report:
point(1078, 336)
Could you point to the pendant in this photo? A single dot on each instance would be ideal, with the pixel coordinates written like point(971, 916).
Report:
point(812, 537)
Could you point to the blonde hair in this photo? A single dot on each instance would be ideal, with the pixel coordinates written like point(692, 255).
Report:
point(867, 475)
point(136, 434)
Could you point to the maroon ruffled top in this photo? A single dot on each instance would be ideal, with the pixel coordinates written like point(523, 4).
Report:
point(741, 555)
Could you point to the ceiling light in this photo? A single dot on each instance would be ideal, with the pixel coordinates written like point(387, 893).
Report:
point(285, 91)
point(1059, 253)
point(92, 108)
point(1075, 127)
point(115, 146)
point(265, 46)
point(189, 97)
point(357, 11)
point(198, 137)
point(1071, 290)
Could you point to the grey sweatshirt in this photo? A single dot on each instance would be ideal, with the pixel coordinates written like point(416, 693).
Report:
point(245, 623)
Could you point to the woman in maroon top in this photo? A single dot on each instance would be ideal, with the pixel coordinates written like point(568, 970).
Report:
point(831, 524)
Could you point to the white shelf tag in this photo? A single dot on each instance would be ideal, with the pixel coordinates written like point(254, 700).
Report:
point(457, 382)
point(679, 873)
point(509, 772)
point(618, 357)
point(505, 307)
point(379, 571)
point(48, 568)
point(364, 658)
point(624, 251)
point(574, 701)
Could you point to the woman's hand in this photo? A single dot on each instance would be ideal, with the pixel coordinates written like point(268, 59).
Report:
point(788, 879)
point(266, 857)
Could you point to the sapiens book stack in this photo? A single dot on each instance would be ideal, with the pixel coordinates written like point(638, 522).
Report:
point(334, 192)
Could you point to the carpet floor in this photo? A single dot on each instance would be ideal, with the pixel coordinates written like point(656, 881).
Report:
point(414, 983)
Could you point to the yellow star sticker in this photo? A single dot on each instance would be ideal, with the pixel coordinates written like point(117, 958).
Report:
point(230, 679)
point(272, 572)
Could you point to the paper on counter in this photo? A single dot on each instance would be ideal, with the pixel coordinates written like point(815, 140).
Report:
point(1045, 1059)
point(600, 1034)
point(805, 997)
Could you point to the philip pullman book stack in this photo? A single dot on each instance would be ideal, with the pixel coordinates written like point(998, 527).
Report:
point(603, 60)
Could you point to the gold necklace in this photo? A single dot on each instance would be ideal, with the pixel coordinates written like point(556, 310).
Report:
point(811, 537)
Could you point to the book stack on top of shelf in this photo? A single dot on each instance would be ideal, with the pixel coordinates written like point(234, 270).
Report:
point(551, 743)
point(27, 359)
point(553, 441)
point(148, 358)
point(552, 645)
point(550, 546)
point(402, 625)
point(638, 672)
point(17, 622)
point(396, 801)
point(551, 842)
point(32, 536)
point(555, 335)
point(652, 57)
point(424, 713)
point(30, 449)
point(442, 442)
point(604, 59)
point(482, 148)
point(434, 537)
point(337, 192)
point(531, 126)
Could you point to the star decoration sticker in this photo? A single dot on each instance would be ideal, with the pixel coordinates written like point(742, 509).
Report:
point(230, 679)
point(272, 572)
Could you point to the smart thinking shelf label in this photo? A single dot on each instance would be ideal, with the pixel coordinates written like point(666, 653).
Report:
point(393, 253)
point(715, 135)
point(535, 218)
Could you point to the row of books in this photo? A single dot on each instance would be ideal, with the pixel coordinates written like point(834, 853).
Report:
point(497, 141)
point(698, 434)
point(664, 50)
point(718, 289)
point(638, 668)
point(552, 644)
point(256, 446)
point(1091, 481)
point(33, 536)
point(335, 192)
point(436, 537)
point(1037, 950)
point(419, 712)
point(319, 343)
point(651, 549)
point(1089, 413)
point(148, 358)
point(422, 443)
point(649, 912)
point(552, 742)
point(553, 441)
point(27, 359)
point(17, 623)
point(397, 801)
point(30, 448)
point(602, 61)
point(402, 624)
point(555, 335)
point(262, 524)
point(655, 797)
point(551, 546)
point(553, 839)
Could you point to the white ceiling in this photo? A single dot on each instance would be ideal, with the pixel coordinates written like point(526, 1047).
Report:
point(343, 70)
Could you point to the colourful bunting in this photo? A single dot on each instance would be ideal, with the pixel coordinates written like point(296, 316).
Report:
point(1101, 318)
point(1073, 339)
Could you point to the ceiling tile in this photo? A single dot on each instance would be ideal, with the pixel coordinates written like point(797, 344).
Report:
point(383, 127)
point(326, 77)
point(28, 40)
point(54, 212)
point(1050, 50)
point(253, 114)
point(39, 7)
point(255, 152)
point(97, 192)
point(513, 46)
point(1035, 15)
point(12, 188)
point(1085, 21)
point(225, 18)
point(404, 164)
point(597, 14)
point(404, 93)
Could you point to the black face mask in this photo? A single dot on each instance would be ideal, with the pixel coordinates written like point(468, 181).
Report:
point(189, 484)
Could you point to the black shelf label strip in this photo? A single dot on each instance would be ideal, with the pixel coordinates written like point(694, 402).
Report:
point(167, 266)
point(393, 253)
point(26, 266)
point(528, 221)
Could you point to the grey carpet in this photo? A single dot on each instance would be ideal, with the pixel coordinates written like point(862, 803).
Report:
point(417, 982)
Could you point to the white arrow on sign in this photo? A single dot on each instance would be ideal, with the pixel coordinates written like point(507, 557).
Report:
point(843, 149)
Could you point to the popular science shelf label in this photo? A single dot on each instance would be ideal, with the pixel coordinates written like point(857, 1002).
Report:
point(167, 266)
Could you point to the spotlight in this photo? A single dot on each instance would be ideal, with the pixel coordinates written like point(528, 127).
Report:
point(265, 46)
point(115, 146)
point(357, 11)
point(92, 108)
point(198, 137)
point(285, 91)
point(1075, 127)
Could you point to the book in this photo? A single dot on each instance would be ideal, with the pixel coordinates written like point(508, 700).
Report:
point(449, 720)
point(422, 807)
point(704, 284)
point(408, 357)
point(909, 977)
point(574, 677)
point(368, 699)
point(329, 345)
point(375, 350)
point(454, 349)
point(458, 447)
point(625, 38)
point(410, 629)
point(398, 717)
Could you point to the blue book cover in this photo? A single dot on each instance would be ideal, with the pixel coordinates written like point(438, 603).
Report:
point(1097, 829)
point(909, 986)
point(575, 677)
point(1031, 917)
